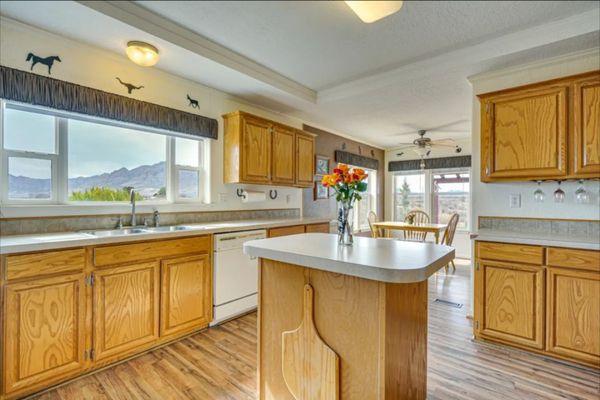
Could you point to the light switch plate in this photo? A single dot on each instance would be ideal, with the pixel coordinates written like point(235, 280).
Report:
point(514, 201)
point(223, 197)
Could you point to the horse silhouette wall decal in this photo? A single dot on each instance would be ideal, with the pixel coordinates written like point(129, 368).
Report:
point(129, 86)
point(193, 103)
point(48, 61)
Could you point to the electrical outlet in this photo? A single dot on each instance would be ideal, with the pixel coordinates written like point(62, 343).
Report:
point(514, 201)
point(288, 198)
point(223, 197)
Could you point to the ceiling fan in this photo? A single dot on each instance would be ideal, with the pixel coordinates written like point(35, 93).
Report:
point(422, 145)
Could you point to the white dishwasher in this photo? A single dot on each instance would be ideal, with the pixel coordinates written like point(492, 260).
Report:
point(235, 275)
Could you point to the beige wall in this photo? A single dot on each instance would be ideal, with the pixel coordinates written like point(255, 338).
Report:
point(326, 143)
point(96, 68)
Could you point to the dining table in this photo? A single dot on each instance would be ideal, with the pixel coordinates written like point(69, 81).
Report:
point(388, 226)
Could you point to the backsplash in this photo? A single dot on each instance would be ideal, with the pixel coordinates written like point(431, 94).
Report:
point(583, 228)
point(23, 226)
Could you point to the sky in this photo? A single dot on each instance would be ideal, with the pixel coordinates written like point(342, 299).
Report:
point(92, 148)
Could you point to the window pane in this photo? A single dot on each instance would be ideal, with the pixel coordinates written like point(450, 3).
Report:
point(368, 202)
point(188, 184)
point(29, 131)
point(451, 195)
point(29, 178)
point(187, 152)
point(106, 162)
point(409, 193)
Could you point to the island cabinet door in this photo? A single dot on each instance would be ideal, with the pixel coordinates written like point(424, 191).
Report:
point(186, 298)
point(510, 302)
point(524, 134)
point(256, 150)
point(574, 314)
point(44, 335)
point(125, 309)
point(284, 156)
point(586, 126)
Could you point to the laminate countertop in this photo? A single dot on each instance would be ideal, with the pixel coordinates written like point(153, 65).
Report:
point(540, 239)
point(385, 260)
point(50, 241)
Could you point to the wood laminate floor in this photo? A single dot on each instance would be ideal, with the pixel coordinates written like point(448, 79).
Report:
point(220, 363)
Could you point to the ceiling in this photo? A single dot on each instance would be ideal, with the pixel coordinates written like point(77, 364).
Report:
point(317, 61)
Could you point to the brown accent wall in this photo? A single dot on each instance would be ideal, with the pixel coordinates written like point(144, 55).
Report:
point(326, 143)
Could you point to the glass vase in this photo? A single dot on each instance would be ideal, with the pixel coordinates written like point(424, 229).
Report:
point(345, 214)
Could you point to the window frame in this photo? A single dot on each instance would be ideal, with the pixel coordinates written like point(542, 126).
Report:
point(60, 162)
point(429, 190)
point(372, 194)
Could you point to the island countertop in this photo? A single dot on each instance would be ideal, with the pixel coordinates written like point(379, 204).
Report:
point(385, 260)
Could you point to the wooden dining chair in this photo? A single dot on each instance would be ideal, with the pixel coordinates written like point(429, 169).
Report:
point(372, 218)
point(418, 217)
point(448, 237)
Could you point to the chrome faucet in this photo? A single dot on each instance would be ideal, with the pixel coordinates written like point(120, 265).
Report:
point(132, 201)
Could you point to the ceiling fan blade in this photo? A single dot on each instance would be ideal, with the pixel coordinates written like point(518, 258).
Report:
point(444, 145)
point(403, 133)
point(445, 140)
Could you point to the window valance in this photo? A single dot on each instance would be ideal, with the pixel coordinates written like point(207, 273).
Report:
point(26, 87)
point(356, 160)
point(430, 163)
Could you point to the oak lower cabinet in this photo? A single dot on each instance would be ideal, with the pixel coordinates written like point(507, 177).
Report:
point(574, 314)
point(512, 302)
point(547, 301)
point(44, 332)
point(186, 294)
point(68, 312)
point(126, 305)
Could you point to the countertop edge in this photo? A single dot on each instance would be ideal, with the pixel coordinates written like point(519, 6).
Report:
point(352, 269)
point(37, 245)
point(503, 237)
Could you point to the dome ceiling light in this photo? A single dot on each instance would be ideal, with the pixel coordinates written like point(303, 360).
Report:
point(371, 11)
point(142, 53)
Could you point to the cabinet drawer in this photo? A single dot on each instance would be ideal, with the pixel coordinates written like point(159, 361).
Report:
point(44, 263)
point(322, 228)
point(111, 255)
point(286, 230)
point(573, 258)
point(510, 252)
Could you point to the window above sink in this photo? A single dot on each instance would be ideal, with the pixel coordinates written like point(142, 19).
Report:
point(62, 159)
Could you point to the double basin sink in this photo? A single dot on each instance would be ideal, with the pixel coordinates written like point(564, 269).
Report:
point(141, 230)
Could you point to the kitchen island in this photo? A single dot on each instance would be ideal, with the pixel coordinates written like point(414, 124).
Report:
point(343, 322)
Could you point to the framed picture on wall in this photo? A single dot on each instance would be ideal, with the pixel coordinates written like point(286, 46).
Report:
point(320, 192)
point(321, 165)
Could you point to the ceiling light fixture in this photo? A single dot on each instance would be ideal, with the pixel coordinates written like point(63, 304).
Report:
point(142, 53)
point(371, 11)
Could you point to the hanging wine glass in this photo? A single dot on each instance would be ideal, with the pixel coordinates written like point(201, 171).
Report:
point(559, 194)
point(581, 195)
point(539, 195)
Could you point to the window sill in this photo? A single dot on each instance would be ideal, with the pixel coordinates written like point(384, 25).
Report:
point(66, 210)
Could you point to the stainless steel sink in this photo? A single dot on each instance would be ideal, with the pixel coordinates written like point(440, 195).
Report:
point(117, 232)
point(170, 228)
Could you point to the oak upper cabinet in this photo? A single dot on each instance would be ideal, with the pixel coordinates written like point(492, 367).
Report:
point(284, 156)
point(256, 150)
point(548, 130)
point(510, 302)
point(586, 127)
point(44, 332)
point(126, 307)
point(260, 151)
point(573, 304)
point(186, 298)
point(305, 159)
point(524, 133)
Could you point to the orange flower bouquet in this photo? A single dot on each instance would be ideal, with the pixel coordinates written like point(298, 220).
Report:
point(348, 184)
